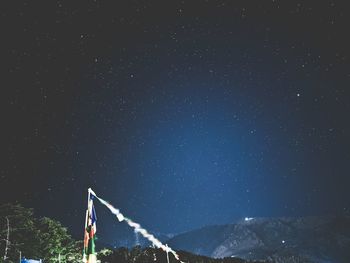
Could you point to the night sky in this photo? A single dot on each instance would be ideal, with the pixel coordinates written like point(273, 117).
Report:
point(181, 113)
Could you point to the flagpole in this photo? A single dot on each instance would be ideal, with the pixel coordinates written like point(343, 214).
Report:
point(86, 222)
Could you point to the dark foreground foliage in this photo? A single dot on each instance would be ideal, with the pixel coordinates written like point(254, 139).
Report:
point(153, 255)
point(37, 238)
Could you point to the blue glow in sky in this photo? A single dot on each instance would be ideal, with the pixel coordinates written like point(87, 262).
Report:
point(180, 114)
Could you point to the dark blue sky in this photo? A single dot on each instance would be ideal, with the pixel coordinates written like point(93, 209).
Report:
point(182, 114)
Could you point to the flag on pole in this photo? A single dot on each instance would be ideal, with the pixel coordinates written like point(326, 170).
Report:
point(89, 253)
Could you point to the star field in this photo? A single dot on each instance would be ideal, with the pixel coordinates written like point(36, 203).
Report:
point(181, 114)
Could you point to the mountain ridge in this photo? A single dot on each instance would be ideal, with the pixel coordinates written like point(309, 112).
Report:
point(312, 239)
